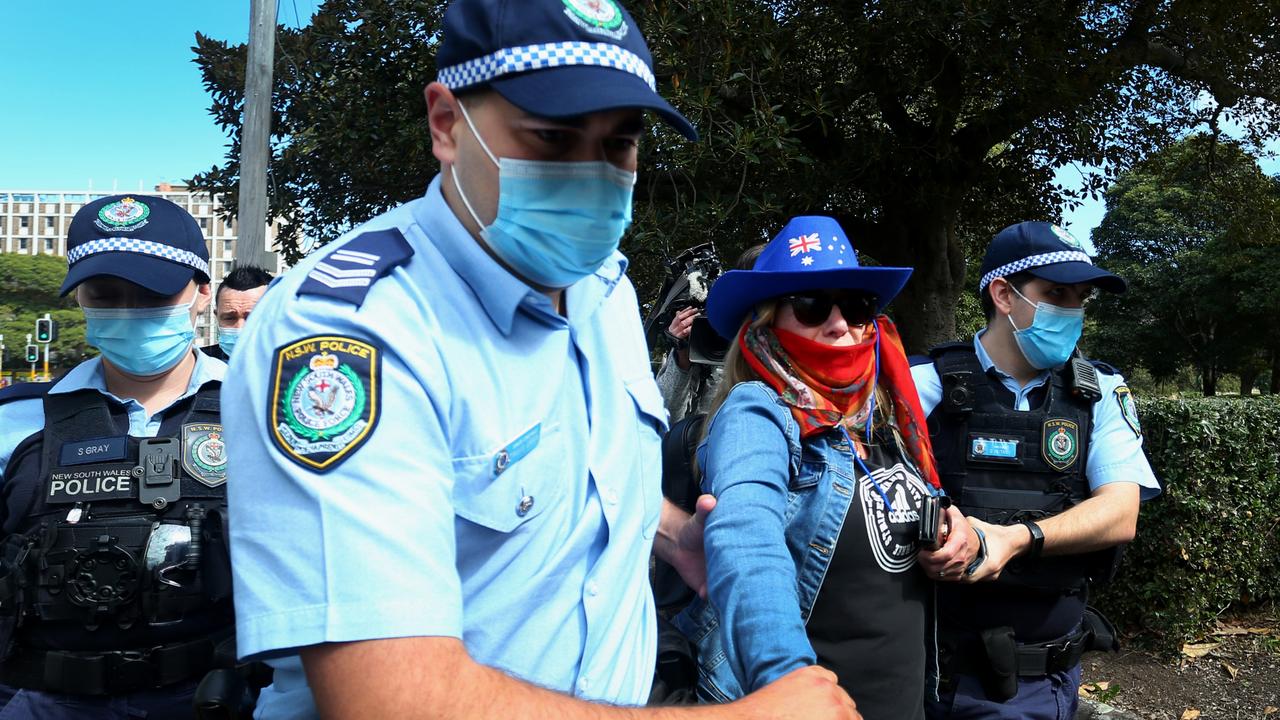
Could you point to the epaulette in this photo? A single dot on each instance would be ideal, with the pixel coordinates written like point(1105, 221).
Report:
point(919, 360)
point(348, 272)
point(1104, 368)
point(24, 391)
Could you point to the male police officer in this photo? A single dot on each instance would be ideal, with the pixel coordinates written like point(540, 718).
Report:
point(115, 586)
point(1043, 450)
point(450, 417)
point(238, 292)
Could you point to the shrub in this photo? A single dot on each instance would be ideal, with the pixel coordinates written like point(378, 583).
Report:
point(1211, 541)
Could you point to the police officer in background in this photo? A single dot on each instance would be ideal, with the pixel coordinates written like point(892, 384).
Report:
point(238, 292)
point(450, 417)
point(114, 578)
point(1042, 450)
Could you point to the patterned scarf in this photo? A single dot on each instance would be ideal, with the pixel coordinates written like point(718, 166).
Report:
point(824, 384)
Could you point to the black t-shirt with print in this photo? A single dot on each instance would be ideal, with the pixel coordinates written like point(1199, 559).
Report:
point(868, 623)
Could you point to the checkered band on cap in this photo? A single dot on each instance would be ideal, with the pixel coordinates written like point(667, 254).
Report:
point(539, 57)
point(145, 247)
point(1033, 261)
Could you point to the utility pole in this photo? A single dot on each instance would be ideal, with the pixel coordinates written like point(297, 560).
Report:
point(251, 243)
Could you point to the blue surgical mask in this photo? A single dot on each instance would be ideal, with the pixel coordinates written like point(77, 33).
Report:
point(1053, 333)
point(557, 222)
point(227, 338)
point(141, 341)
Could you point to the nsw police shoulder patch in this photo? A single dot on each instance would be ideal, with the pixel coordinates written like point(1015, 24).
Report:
point(1128, 409)
point(204, 453)
point(1060, 443)
point(325, 393)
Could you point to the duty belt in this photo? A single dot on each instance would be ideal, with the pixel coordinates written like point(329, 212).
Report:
point(998, 660)
point(113, 672)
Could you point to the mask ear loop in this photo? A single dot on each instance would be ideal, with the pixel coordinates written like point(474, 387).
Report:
point(453, 170)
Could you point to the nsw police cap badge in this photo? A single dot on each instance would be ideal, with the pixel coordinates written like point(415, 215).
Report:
point(127, 214)
point(1060, 443)
point(325, 396)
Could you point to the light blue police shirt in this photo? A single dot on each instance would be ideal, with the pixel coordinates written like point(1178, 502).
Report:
point(21, 419)
point(541, 567)
point(1115, 447)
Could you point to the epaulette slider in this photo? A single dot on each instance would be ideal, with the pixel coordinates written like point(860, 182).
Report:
point(349, 271)
point(24, 391)
point(1105, 368)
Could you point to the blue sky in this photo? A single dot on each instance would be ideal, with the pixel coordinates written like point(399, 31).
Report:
point(106, 92)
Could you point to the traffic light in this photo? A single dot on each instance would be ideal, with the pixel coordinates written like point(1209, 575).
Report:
point(46, 330)
point(33, 353)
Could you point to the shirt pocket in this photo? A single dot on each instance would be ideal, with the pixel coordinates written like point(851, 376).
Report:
point(503, 493)
point(651, 424)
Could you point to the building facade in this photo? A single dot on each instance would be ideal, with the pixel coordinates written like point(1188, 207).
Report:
point(34, 222)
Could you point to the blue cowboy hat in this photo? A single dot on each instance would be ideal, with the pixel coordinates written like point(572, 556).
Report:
point(811, 253)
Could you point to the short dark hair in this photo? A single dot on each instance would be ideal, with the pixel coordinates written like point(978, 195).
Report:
point(1018, 280)
point(245, 277)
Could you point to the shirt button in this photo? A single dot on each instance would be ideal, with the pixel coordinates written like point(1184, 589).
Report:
point(611, 496)
point(593, 589)
point(526, 504)
point(584, 684)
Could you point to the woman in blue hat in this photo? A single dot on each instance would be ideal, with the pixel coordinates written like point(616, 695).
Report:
point(818, 454)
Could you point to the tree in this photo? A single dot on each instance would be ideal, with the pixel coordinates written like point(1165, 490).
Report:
point(1193, 230)
point(923, 127)
point(29, 287)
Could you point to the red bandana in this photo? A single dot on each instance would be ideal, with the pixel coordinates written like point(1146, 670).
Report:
point(824, 384)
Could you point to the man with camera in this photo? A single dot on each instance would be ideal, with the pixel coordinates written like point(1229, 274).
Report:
point(1042, 450)
point(691, 371)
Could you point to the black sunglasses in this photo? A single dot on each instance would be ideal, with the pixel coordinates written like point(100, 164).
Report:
point(813, 308)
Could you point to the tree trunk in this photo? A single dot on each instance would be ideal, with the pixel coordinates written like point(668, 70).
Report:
point(1209, 379)
point(1248, 378)
point(925, 240)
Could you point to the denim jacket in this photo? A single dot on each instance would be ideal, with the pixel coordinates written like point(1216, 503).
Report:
point(768, 543)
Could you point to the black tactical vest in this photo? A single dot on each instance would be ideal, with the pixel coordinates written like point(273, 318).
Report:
point(115, 547)
point(1004, 466)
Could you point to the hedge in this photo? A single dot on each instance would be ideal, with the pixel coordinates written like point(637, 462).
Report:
point(1211, 541)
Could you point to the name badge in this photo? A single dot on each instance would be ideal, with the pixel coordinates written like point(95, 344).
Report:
point(998, 449)
point(91, 484)
point(517, 449)
point(99, 450)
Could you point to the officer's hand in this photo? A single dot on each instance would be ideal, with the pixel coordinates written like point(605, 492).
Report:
point(958, 549)
point(810, 693)
point(682, 323)
point(689, 559)
point(1004, 543)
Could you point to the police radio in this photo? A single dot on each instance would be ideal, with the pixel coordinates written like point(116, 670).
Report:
point(1084, 380)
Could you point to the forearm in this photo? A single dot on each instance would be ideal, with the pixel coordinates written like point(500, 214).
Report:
point(751, 581)
point(1102, 521)
point(1106, 519)
point(673, 382)
point(435, 679)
